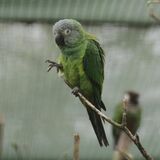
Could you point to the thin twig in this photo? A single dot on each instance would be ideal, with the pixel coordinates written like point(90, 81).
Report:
point(76, 147)
point(123, 127)
point(134, 138)
point(151, 11)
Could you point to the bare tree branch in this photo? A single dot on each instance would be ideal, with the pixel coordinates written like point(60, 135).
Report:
point(151, 10)
point(134, 138)
point(123, 127)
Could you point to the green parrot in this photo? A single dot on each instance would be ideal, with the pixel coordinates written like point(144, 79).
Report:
point(81, 63)
point(121, 140)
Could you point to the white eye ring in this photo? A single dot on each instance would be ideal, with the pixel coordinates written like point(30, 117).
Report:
point(67, 31)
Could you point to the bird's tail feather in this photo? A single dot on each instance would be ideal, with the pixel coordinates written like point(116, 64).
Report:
point(98, 127)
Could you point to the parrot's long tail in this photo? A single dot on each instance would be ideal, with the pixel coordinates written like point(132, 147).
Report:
point(98, 127)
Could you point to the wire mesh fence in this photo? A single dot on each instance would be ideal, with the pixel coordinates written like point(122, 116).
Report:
point(135, 11)
point(41, 115)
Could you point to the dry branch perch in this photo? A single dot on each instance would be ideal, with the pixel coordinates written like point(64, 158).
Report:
point(153, 15)
point(151, 11)
point(76, 147)
point(134, 138)
point(123, 127)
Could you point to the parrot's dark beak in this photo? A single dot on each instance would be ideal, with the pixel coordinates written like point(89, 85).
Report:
point(59, 40)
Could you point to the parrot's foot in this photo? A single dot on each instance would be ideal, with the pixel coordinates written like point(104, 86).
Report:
point(53, 64)
point(75, 91)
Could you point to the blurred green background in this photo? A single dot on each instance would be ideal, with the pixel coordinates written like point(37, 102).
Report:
point(41, 115)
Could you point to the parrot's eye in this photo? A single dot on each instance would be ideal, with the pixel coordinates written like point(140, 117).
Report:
point(67, 31)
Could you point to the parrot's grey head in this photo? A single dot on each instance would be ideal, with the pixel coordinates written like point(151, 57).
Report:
point(68, 33)
point(132, 97)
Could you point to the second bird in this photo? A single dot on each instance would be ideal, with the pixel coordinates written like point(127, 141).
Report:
point(81, 63)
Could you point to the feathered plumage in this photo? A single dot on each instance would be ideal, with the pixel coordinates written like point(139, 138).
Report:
point(82, 59)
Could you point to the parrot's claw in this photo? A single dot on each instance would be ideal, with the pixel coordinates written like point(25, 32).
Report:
point(53, 64)
point(75, 91)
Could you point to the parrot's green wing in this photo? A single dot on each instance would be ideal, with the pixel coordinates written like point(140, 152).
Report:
point(93, 64)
